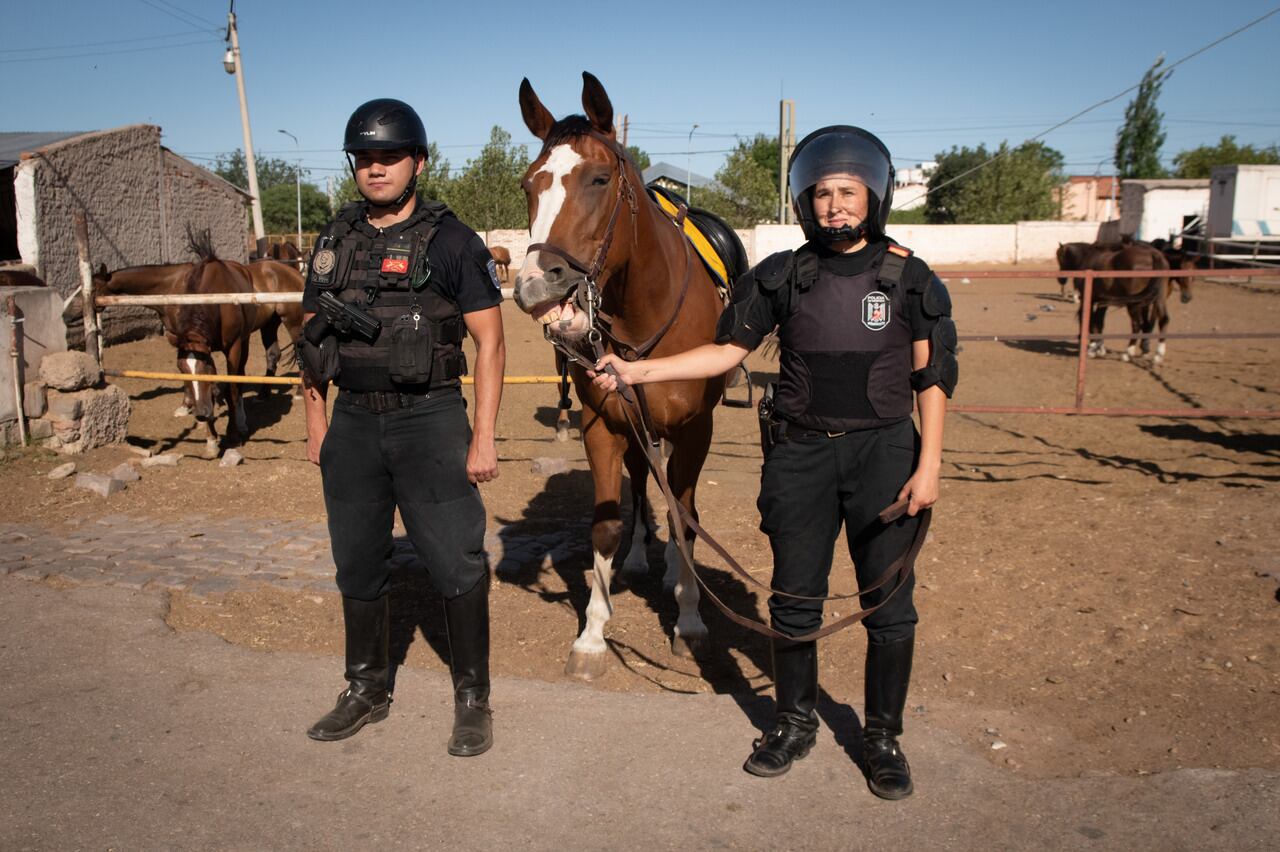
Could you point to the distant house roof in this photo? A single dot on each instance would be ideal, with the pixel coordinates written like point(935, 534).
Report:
point(13, 145)
point(213, 178)
point(1103, 182)
point(677, 174)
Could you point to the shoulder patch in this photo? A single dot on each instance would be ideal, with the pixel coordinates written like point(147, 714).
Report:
point(900, 251)
point(771, 272)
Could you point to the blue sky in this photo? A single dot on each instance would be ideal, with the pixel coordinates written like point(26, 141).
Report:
point(925, 76)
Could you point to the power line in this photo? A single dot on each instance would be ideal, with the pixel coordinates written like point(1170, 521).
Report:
point(107, 52)
point(185, 17)
point(184, 34)
point(1100, 103)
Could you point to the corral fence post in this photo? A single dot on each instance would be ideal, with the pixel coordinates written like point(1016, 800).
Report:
point(1086, 305)
point(91, 343)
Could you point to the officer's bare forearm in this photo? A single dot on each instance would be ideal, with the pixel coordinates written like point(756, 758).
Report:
point(933, 412)
point(485, 328)
point(702, 362)
point(314, 396)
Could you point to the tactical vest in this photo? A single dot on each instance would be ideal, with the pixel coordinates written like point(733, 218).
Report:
point(845, 347)
point(387, 276)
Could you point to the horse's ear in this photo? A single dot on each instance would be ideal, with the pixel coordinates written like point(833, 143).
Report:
point(596, 104)
point(102, 270)
point(536, 116)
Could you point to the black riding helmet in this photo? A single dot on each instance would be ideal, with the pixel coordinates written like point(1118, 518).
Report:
point(841, 149)
point(385, 124)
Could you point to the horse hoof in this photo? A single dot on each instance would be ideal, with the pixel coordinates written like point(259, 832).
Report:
point(689, 647)
point(1125, 358)
point(182, 411)
point(562, 433)
point(211, 450)
point(586, 666)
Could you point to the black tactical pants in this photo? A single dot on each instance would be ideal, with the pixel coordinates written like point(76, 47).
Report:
point(414, 459)
point(809, 487)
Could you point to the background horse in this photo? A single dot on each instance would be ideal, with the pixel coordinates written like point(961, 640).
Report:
point(502, 261)
point(1142, 296)
point(197, 331)
point(594, 229)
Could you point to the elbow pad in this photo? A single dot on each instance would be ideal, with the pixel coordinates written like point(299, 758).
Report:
point(943, 368)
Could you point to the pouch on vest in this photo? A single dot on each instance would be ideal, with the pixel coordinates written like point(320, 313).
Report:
point(412, 348)
point(317, 351)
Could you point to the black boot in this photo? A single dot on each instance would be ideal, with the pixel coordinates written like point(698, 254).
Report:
point(366, 699)
point(467, 620)
point(887, 676)
point(795, 677)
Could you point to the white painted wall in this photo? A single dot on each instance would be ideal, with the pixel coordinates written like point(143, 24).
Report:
point(24, 199)
point(940, 245)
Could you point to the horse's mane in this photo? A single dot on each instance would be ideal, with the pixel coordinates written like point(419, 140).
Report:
point(201, 319)
point(200, 243)
point(566, 130)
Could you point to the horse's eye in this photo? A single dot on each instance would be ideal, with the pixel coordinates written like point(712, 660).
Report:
point(600, 180)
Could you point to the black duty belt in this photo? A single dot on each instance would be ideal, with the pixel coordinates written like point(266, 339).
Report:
point(785, 430)
point(380, 401)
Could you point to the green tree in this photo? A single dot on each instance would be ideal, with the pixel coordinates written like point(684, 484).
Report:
point(749, 177)
point(1140, 138)
point(487, 194)
point(1199, 162)
point(433, 182)
point(280, 208)
point(271, 171)
point(638, 157)
point(1017, 184)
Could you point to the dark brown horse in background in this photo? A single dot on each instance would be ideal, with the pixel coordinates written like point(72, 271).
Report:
point(197, 331)
point(594, 229)
point(1143, 296)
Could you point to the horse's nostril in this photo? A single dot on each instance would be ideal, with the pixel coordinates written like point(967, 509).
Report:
point(554, 275)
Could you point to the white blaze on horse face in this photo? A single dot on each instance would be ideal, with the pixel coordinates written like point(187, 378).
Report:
point(560, 163)
point(192, 364)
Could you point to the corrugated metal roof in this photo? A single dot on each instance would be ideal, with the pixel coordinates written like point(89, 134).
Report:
point(675, 173)
point(12, 145)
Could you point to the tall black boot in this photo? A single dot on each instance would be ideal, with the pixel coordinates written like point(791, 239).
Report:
point(366, 699)
point(467, 620)
point(887, 676)
point(795, 730)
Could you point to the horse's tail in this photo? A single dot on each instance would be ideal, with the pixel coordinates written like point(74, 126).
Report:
point(200, 243)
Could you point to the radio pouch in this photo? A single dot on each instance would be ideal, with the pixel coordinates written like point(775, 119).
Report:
point(412, 348)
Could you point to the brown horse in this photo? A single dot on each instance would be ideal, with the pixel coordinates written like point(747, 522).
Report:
point(598, 239)
point(1142, 296)
point(197, 331)
point(168, 278)
point(502, 261)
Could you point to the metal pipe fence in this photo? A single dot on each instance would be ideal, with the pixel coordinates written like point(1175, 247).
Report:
point(1089, 277)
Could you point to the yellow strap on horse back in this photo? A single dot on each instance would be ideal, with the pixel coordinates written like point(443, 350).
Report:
point(700, 244)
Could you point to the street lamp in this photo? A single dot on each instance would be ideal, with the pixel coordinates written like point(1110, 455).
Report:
point(233, 65)
point(297, 180)
point(688, 168)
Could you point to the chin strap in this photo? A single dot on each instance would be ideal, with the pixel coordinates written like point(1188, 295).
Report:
point(843, 234)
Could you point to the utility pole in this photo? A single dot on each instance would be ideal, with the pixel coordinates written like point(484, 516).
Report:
point(231, 62)
point(786, 144)
point(626, 123)
point(688, 168)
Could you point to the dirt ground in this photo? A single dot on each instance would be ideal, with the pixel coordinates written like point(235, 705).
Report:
point(1098, 595)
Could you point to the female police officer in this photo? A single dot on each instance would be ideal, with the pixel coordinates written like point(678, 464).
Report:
point(862, 324)
point(394, 283)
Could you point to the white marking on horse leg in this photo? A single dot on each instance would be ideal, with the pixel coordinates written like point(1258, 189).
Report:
point(599, 609)
point(1160, 350)
point(690, 630)
point(182, 411)
point(1132, 352)
point(637, 562)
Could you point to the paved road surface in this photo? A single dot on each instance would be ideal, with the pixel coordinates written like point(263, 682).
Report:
point(121, 734)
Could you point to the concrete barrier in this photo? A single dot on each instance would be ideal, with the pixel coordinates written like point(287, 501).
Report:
point(41, 332)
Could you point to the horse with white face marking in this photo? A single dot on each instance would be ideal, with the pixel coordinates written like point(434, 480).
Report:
point(592, 225)
point(197, 331)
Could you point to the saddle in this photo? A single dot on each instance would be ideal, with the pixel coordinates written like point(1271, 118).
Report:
point(715, 242)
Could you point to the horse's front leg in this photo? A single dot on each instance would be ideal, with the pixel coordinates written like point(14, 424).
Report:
point(587, 658)
point(637, 561)
point(1097, 321)
point(1137, 322)
point(566, 402)
point(237, 420)
point(687, 457)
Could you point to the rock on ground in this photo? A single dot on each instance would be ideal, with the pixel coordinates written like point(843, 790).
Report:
point(103, 486)
point(231, 458)
point(70, 371)
point(105, 420)
point(62, 471)
point(125, 472)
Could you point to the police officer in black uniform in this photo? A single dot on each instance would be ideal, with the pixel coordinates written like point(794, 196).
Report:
point(862, 324)
point(394, 284)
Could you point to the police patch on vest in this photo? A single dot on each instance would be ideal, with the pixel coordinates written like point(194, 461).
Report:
point(395, 265)
point(323, 262)
point(493, 274)
point(875, 311)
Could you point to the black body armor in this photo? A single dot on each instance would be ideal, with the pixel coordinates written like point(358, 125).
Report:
point(418, 347)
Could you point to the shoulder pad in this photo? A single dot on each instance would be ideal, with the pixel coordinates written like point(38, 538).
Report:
point(350, 212)
point(772, 272)
point(900, 251)
point(936, 301)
